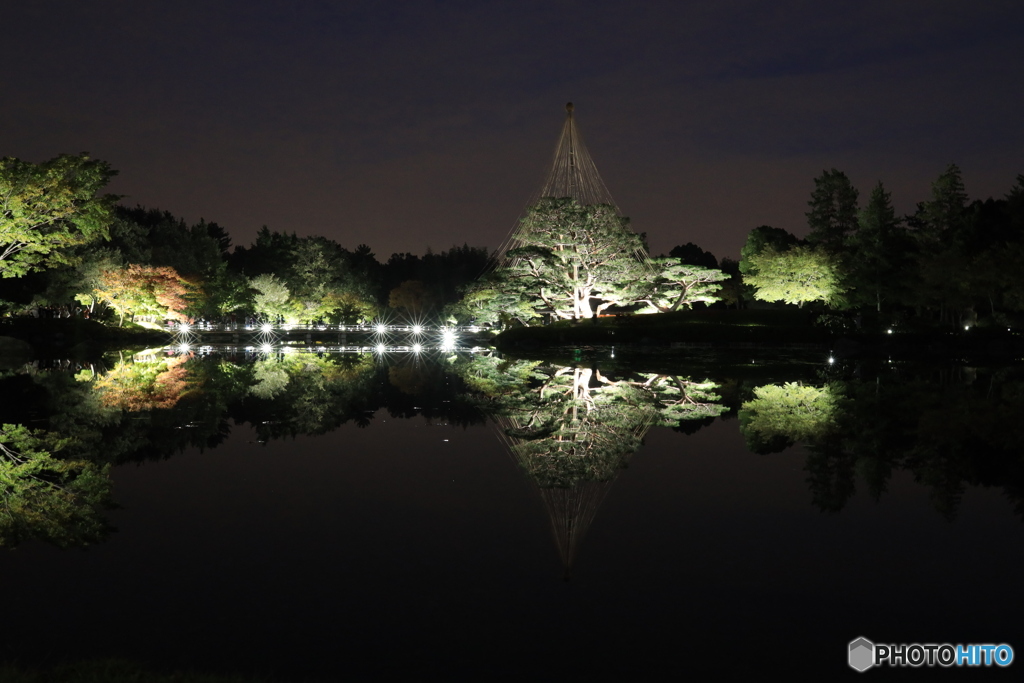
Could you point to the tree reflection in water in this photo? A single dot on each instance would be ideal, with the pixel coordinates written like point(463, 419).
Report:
point(573, 429)
point(949, 427)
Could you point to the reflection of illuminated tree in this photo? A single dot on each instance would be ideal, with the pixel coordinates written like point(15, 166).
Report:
point(136, 386)
point(45, 496)
point(305, 393)
point(778, 416)
point(573, 429)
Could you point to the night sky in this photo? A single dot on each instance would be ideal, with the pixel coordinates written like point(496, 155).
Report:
point(408, 125)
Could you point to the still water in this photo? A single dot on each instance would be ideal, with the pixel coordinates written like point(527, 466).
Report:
point(318, 517)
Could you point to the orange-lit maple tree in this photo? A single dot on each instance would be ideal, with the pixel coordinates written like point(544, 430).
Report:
point(157, 292)
point(144, 386)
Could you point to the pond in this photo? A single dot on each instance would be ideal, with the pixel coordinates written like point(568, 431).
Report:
point(308, 516)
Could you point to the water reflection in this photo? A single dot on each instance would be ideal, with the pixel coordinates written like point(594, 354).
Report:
point(572, 427)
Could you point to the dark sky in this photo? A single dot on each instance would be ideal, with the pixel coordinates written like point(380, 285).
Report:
point(408, 125)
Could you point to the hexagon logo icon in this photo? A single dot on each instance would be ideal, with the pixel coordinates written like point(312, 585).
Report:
point(862, 654)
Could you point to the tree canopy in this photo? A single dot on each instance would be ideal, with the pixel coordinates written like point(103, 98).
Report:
point(49, 207)
point(796, 276)
point(575, 261)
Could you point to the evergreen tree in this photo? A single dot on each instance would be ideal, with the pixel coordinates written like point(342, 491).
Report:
point(879, 249)
point(942, 220)
point(575, 261)
point(833, 211)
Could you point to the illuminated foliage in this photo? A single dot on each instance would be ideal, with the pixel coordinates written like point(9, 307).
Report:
point(777, 416)
point(47, 208)
point(570, 425)
point(576, 261)
point(272, 297)
point(796, 276)
point(681, 285)
point(495, 300)
point(138, 386)
point(156, 293)
point(45, 496)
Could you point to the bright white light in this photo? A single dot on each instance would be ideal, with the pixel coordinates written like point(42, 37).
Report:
point(380, 328)
point(474, 328)
point(889, 331)
point(184, 348)
point(267, 327)
point(831, 360)
point(967, 327)
point(448, 338)
point(266, 348)
point(416, 348)
point(417, 329)
point(184, 327)
point(379, 348)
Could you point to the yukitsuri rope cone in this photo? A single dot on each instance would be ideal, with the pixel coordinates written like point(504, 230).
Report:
point(573, 175)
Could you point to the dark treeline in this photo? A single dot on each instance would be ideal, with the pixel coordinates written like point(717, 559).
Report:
point(157, 266)
point(952, 262)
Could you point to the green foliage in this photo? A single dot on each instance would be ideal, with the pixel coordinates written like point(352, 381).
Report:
point(571, 425)
point(796, 276)
point(45, 496)
point(679, 284)
point(788, 413)
point(575, 261)
point(271, 296)
point(495, 300)
point(761, 238)
point(322, 279)
point(47, 208)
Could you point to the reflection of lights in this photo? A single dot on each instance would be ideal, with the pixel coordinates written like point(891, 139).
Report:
point(184, 348)
point(417, 329)
point(416, 348)
point(184, 327)
point(267, 327)
point(448, 338)
point(380, 329)
point(379, 348)
point(474, 328)
point(266, 348)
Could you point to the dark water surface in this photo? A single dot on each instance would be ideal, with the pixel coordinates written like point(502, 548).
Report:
point(414, 546)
